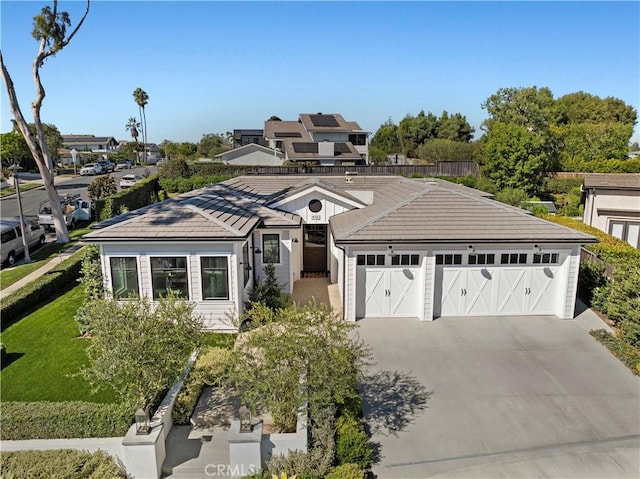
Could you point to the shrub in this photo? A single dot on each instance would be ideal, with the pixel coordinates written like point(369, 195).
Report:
point(512, 196)
point(64, 420)
point(56, 282)
point(591, 277)
point(624, 351)
point(352, 443)
point(210, 369)
point(298, 463)
point(102, 187)
point(346, 471)
point(212, 366)
point(3, 352)
point(560, 185)
point(268, 291)
point(67, 463)
point(143, 193)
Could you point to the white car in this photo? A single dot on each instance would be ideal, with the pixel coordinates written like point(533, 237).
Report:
point(123, 165)
point(12, 244)
point(91, 169)
point(129, 180)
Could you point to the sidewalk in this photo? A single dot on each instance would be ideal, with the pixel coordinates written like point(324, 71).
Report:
point(42, 270)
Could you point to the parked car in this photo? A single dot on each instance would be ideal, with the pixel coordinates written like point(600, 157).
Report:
point(123, 165)
point(107, 165)
point(129, 180)
point(161, 161)
point(91, 169)
point(11, 234)
point(75, 210)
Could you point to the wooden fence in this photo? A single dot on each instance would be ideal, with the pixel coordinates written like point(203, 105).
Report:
point(442, 168)
point(591, 257)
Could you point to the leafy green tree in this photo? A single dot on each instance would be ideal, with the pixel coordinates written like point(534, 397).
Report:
point(13, 149)
point(102, 187)
point(454, 128)
point(142, 98)
point(50, 29)
point(386, 139)
point(438, 149)
point(624, 301)
point(212, 144)
point(512, 196)
point(274, 118)
point(138, 348)
point(413, 131)
point(307, 356)
point(514, 157)
point(184, 150)
point(532, 108)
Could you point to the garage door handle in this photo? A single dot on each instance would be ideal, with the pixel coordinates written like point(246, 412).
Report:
point(387, 292)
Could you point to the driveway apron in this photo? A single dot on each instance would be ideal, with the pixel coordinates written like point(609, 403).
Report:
point(498, 397)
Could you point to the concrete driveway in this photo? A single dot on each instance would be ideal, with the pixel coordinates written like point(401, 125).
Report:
point(499, 397)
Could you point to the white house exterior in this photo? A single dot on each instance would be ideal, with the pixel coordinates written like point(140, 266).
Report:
point(612, 204)
point(396, 247)
point(251, 154)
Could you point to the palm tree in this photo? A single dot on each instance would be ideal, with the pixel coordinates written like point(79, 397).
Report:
point(132, 126)
point(142, 98)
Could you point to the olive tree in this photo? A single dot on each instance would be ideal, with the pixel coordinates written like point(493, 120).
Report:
point(140, 348)
point(50, 29)
point(306, 356)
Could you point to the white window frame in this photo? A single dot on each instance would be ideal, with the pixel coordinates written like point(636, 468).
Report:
point(171, 255)
point(138, 273)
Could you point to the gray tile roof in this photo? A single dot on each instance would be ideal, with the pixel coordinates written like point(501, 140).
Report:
point(612, 180)
point(401, 210)
point(442, 214)
point(343, 125)
point(273, 127)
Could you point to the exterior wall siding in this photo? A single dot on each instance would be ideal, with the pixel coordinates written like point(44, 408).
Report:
point(572, 271)
point(429, 265)
point(215, 313)
point(330, 207)
point(283, 269)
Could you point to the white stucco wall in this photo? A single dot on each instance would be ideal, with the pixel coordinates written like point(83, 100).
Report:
point(600, 202)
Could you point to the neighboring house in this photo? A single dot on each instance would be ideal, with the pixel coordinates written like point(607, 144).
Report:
point(153, 151)
point(251, 154)
point(96, 144)
point(326, 139)
point(248, 137)
point(612, 204)
point(396, 247)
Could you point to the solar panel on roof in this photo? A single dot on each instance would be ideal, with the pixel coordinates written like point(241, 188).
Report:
point(341, 148)
point(324, 120)
point(300, 147)
point(293, 134)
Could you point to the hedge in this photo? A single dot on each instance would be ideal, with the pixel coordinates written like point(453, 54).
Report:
point(61, 463)
point(621, 349)
point(182, 185)
point(610, 249)
point(143, 193)
point(352, 443)
point(52, 284)
point(64, 420)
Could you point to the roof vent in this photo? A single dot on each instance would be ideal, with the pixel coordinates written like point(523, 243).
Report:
point(348, 179)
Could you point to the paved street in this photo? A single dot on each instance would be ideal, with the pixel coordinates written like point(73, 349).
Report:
point(31, 199)
point(499, 397)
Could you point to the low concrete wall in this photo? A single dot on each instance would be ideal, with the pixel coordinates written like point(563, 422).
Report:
point(282, 443)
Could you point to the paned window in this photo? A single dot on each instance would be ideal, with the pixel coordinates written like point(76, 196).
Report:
point(482, 258)
point(215, 277)
point(271, 248)
point(513, 258)
point(124, 277)
point(545, 258)
point(169, 274)
point(448, 259)
point(405, 259)
point(371, 259)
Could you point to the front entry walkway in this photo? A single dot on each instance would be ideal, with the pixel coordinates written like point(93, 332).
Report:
point(307, 289)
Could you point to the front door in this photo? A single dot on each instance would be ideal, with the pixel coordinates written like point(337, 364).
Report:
point(315, 248)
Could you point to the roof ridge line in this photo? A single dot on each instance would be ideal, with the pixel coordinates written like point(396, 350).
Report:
point(382, 214)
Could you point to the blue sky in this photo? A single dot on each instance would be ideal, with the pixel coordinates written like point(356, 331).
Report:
point(209, 67)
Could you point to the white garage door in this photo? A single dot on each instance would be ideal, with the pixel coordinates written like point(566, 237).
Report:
point(474, 291)
point(392, 292)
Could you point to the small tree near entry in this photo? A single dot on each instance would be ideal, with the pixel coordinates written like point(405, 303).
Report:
point(50, 29)
point(138, 348)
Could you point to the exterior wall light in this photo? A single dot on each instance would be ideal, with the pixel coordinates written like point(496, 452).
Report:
point(245, 419)
point(142, 422)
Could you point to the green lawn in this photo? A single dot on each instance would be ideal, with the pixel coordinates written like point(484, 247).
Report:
point(220, 340)
point(38, 258)
point(44, 351)
point(26, 187)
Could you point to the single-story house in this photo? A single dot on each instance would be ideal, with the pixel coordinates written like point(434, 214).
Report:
point(612, 204)
point(251, 154)
point(396, 247)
